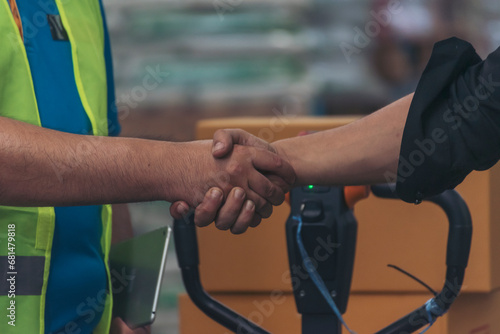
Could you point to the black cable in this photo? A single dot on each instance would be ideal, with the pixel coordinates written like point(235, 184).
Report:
point(434, 292)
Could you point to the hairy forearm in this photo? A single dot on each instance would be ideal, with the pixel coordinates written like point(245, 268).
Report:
point(363, 152)
point(41, 167)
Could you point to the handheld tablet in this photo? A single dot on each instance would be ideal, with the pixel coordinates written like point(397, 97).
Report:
point(136, 268)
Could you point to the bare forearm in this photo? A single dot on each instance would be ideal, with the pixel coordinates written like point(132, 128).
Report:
point(364, 152)
point(43, 167)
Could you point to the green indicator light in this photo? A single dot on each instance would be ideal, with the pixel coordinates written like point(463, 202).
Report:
point(311, 186)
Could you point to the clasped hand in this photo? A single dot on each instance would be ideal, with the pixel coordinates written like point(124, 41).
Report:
point(250, 177)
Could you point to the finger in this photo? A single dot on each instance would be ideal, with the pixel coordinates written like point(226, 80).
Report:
point(118, 326)
point(229, 212)
point(262, 206)
point(273, 163)
point(205, 213)
point(255, 220)
point(244, 219)
point(143, 330)
point(224, 140)
point(278, 181)
point(265, 211)
point(265, 188)
point(179, 209)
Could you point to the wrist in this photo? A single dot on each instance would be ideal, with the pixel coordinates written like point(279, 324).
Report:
point(184, 171)
point(284, 151)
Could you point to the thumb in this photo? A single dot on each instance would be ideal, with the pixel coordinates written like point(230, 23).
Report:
point(224, 140)
point(179, 209)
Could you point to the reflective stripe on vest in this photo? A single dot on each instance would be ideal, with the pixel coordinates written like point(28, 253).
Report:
point(34, 227)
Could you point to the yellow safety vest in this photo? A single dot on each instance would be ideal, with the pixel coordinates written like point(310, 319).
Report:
point(34, 227)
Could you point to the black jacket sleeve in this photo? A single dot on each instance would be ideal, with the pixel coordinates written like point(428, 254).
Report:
point(453, 126)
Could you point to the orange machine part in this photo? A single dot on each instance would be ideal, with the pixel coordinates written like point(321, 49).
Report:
point(354, 194)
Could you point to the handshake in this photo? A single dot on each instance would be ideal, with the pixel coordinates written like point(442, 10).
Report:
point(244, 179)
point(236, 179)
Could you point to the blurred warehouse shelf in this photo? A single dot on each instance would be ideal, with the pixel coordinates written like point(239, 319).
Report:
point(207, 54)
point(213, 51)
point(199, 3)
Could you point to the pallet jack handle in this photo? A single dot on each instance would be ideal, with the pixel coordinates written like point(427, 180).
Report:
point(459, 242)
point(457, 256)
point(186, 246)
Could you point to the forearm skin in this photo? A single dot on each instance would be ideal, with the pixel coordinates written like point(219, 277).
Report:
point(41, 167)
point(363, 152)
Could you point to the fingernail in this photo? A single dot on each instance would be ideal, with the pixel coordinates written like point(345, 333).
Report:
point(215, 193)
point(239, 193)
point(249, 205)
point(182, 209)
point(218, 146)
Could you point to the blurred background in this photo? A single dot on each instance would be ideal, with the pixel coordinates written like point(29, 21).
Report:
point(179, 61)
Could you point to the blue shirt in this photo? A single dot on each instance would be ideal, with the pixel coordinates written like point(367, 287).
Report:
point(77, 279)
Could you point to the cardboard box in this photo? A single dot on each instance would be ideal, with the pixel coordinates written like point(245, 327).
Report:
point(367, 313)
point(390, 232)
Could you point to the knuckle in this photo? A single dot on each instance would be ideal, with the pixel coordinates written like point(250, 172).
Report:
point(237, 131)
point(235, 168)
point(198, 198)
point(270, 191)
point(239, 149)
point(277, 161)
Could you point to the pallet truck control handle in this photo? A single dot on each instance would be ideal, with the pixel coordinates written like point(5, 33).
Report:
point(457, 257)
point(459, 242)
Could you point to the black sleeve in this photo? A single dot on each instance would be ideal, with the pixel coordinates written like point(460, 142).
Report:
point(453, 126)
